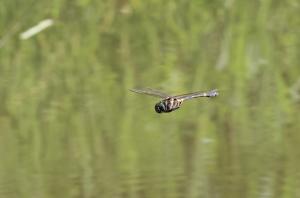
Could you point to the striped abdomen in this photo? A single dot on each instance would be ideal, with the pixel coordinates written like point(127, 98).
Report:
point(168, 105)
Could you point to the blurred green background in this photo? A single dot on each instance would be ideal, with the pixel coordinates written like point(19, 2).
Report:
point(69, 127)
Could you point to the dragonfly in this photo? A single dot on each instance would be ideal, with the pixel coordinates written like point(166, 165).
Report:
point(169, 103)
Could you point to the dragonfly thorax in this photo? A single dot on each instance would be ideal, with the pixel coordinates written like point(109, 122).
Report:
point(167, 105)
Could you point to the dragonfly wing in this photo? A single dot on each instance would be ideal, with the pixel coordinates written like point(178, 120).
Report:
point(151, 92)
point(212, 93)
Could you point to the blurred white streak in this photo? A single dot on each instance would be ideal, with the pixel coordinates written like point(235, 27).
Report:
point(36, 29)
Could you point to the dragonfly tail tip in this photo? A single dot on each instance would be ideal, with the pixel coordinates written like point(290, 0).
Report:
point(213, 93)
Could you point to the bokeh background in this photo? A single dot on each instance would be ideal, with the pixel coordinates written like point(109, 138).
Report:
point(69, 126)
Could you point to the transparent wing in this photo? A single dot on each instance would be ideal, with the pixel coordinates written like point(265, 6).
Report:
point(151, 92)
point(212, 93)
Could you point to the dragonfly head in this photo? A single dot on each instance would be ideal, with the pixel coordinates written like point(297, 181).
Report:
point(160, 107)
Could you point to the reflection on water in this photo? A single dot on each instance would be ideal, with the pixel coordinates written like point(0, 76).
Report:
point(67, 172)
point(165, 164)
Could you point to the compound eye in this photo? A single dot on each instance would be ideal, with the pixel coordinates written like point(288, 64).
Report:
point(158, 108)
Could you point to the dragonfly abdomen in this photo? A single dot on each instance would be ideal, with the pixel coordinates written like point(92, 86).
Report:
point(172, 103)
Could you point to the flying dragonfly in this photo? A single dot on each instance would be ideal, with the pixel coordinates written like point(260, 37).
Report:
point(170, 103)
